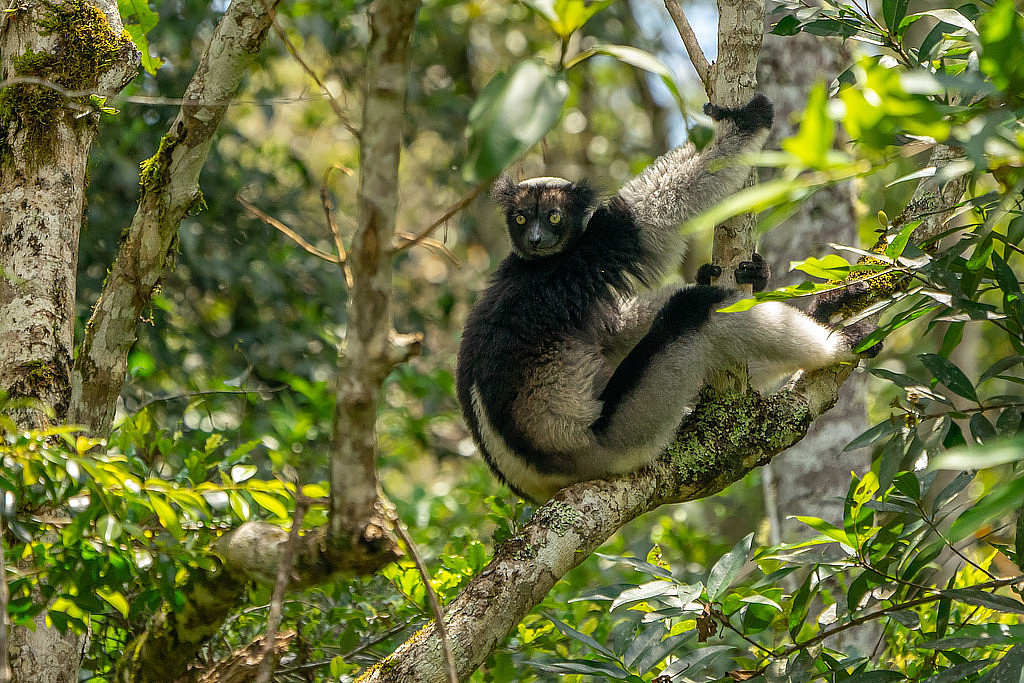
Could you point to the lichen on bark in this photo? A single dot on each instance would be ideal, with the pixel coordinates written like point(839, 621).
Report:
point(86, 47)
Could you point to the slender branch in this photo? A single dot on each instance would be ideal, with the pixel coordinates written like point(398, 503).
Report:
point(432, 600)
point(295, 237)
point(444, 218)
point(169, 191)
point(339, 111)
point(325, 201)
point(284, 569)
point(697, 58)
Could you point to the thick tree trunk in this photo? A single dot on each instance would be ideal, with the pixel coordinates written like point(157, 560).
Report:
point(45, 137)
point(812, 477)
point(62, 52)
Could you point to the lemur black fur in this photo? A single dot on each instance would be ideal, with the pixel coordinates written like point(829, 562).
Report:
point(571, 367)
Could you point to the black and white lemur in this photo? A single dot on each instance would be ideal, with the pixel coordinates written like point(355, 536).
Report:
point(571, 367)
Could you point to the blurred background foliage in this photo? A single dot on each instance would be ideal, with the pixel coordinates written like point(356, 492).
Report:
point(229, 380)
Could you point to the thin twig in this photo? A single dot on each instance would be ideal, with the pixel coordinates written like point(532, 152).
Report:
point(296, 237)
point(454, 209)
point(339, 111)
point(325, 200)
point(435, 604)
point(407, 238)
point(284, 570)
point(697, 58)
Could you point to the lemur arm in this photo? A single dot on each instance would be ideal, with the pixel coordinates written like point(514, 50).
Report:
point(682, 183)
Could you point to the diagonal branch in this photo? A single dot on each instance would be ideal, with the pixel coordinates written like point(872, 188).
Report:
point(724, 439)
point(697, 58)
point(169, 191)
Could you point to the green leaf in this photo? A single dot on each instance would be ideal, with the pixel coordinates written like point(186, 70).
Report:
point(270, 503)
point(1000, 366)
point(109, 529)
point(893, 12)
point(826, 529)
point(644, 592)
point(240, 473)
point(728, 568)
point(569, 631)
point(115, 599)
point(992, 454)
point(974, 596)
point(787, 26)
point(694, 662)
point(512, 113)
point(877, 433)
point(875, 677)
point(949, 374)
point(951, 16)
point(635, 57)
point(830, 267)
point(565, 17)
point(583, 667)
point(895, 248)
point(167, 516)
point(1018, 541)
point(813, 141)
point(1000, 500)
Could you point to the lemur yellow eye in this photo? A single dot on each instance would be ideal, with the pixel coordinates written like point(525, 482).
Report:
point(520, 219)
point(555, 218)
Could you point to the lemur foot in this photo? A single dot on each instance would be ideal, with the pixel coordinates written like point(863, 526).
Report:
point(857, 332)
point(756, 114)
point(841, 301)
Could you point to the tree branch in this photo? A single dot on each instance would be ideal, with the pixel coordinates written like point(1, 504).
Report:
point(697, 58)
point(169, 191)
point(371, 350)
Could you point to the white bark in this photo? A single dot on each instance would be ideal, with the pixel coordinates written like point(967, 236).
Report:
point(44, 151)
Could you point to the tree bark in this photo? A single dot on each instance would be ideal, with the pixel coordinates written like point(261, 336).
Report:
point(732, 82)
point(170, 189)
point(371, 348)
point(61, 52)
point(45, 136)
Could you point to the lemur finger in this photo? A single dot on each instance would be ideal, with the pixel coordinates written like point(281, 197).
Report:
point(857, 332)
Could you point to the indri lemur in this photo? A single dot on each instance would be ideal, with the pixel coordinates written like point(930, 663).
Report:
point(571, 367)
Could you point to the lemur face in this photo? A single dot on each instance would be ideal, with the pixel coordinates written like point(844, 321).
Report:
point(543, 215)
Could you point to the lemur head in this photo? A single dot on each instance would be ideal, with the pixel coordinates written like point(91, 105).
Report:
point(544, 215)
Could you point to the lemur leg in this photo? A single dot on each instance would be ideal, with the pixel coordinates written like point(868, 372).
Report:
point(647, 395)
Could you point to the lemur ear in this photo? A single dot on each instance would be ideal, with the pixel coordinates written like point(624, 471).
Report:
point(585, 200)
point(503, 192)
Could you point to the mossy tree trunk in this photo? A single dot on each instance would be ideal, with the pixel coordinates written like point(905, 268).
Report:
point(61, 52)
